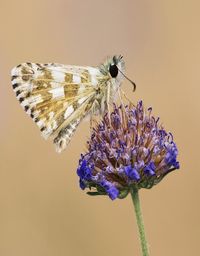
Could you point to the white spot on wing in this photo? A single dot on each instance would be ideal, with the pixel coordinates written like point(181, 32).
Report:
point(24, 103)
point(68, 112)
point(47, 132)
point(57, 92)
point(94, 72)
point(58, 76)
point(28, 111)
point(40, 123)
point(76, 79)
point(51, 114)
point(54, 125)
point(80, 101)
point(81, 88)
point(94, 80)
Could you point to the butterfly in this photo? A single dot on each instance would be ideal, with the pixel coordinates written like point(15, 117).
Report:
point(58, 97)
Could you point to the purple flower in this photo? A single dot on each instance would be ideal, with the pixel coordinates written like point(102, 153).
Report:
point(127, 149)
point(84, 171)
point(111, 190)
point(150, 168)
point(131, 173)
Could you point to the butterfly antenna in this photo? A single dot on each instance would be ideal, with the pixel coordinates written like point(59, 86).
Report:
point(134, 85)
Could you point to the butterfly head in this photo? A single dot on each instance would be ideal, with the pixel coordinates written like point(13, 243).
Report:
point(114, 67)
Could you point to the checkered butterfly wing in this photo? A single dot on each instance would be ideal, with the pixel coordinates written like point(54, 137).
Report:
point(55, 96)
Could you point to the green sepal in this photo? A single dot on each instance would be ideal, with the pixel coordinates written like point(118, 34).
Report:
point(123, 193)
point(90, 193)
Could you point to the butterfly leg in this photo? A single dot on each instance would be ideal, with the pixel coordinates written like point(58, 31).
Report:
point(108, 102)
point(124, 113)
point(124, 95)
point(93, 112)
point(91, 122)
point(120, 98)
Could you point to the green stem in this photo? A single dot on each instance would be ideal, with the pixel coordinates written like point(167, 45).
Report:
point(138, 212)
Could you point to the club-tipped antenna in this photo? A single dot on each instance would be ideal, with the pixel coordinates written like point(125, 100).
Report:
point(134, 85)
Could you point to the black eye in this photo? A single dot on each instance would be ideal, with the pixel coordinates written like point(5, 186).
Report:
point(113, 70)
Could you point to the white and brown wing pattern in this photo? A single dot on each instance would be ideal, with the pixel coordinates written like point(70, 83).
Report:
point(55, 96)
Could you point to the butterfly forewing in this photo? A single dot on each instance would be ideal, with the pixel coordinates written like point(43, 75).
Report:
point(57, 97)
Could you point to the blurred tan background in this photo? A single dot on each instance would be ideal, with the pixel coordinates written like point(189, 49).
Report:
point(42, 210)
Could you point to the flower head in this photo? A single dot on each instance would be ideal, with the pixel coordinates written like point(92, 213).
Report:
point(127, 149)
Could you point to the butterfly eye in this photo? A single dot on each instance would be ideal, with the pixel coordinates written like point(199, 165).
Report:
point(113, 70)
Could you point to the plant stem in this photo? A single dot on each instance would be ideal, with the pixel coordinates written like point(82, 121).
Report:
point(140, 224)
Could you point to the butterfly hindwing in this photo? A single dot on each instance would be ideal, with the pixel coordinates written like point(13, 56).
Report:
point(69, 126)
